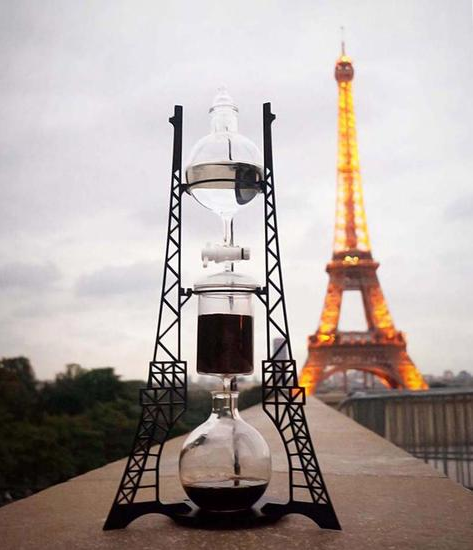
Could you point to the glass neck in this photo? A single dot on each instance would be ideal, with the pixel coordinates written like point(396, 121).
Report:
point(225, 404)
point(224, 119)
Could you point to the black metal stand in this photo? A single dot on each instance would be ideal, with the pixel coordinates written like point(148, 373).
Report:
point(163, 400)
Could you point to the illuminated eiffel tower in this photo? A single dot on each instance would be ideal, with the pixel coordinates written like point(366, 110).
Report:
point(381, 349)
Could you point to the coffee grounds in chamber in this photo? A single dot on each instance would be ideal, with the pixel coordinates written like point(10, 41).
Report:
point(226, 496)
point(225, 344)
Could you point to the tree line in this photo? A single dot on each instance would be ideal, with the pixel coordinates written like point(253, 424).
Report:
point(85, 418)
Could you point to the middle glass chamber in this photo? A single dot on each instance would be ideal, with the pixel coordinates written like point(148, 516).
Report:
point(225, 325)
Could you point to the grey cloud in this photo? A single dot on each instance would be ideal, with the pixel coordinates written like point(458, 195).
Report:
point(151, 217)
point(28, 275)
point(117, 280)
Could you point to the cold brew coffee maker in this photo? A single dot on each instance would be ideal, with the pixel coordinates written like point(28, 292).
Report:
point(224, 464)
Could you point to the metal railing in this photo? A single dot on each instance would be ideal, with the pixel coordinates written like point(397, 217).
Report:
point(434, 425)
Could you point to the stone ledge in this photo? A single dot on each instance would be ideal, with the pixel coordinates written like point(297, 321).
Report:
point(384, 498)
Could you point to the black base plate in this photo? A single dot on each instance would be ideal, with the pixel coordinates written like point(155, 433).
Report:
point(186, 513)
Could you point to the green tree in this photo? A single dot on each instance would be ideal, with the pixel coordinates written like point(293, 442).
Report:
point(78, 389)
point(18, 395)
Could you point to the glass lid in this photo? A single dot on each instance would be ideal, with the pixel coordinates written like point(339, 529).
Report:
point(226, 280)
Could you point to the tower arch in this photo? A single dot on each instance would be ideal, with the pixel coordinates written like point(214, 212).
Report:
point(381, 373)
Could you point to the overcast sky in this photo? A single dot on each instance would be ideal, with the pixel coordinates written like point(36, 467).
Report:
point(86, 92)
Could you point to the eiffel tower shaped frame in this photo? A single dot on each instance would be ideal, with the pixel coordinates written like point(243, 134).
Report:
point(164, 398)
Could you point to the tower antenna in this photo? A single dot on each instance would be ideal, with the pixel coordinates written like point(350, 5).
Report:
point(342, 34)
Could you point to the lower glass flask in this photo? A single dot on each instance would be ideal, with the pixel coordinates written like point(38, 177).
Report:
point(225, 464)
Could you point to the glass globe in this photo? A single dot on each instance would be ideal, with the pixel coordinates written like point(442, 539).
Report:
point(225, 464)
point(224, 170)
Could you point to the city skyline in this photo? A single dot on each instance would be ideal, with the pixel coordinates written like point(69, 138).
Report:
point(87, 152)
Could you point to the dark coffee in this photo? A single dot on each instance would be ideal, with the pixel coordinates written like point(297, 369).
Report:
point(225, 344)
point(226, 496)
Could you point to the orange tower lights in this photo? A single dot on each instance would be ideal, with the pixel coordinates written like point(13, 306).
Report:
point(381, 349)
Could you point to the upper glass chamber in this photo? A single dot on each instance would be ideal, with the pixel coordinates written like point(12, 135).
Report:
point(225, 169)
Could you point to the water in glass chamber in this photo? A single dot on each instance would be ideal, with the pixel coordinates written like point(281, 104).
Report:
point(224, 186)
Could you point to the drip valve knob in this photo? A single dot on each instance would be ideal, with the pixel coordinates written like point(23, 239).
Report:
point(218, 253)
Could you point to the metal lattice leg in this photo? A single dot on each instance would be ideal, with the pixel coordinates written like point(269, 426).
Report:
point(284, 402)
point(163, 401)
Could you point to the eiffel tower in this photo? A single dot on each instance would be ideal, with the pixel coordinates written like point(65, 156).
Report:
point(381, 349)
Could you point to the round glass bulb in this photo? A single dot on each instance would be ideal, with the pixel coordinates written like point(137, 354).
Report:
point(224, 171)
point(225, 464)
